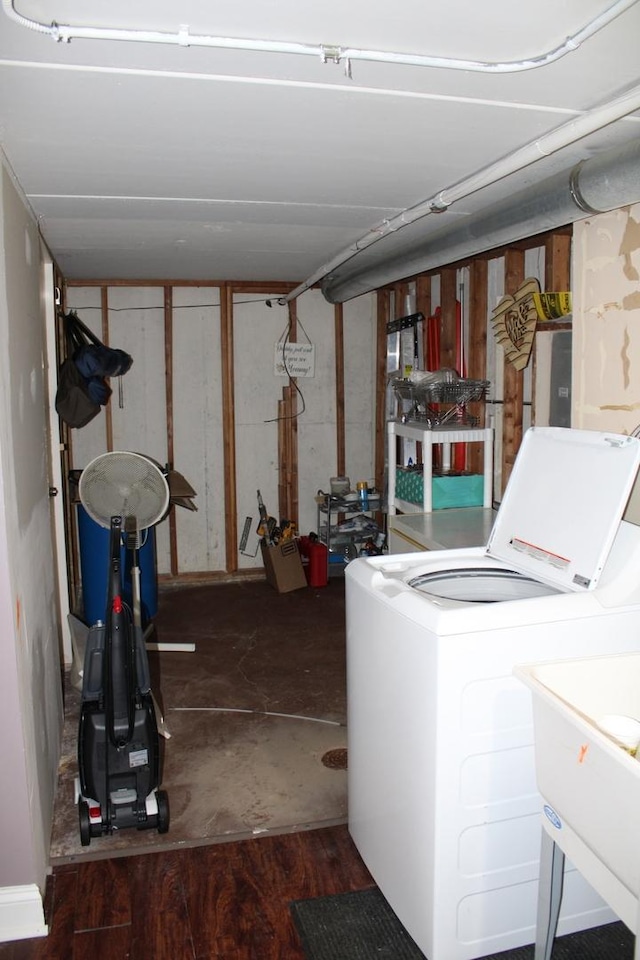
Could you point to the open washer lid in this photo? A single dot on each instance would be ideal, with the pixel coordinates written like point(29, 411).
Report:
point(563, 504)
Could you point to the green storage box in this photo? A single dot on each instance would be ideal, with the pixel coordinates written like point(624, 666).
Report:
point(452, 490)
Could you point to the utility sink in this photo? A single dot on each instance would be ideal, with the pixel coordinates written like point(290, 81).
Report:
point(589, 783)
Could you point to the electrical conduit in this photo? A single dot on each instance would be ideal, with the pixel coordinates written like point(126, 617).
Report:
point(334, 53)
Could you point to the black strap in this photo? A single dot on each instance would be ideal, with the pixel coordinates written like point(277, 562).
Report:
point(70, 339)
point(77, 333)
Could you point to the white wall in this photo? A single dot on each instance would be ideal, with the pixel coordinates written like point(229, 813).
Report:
point(359, 326)
point(197, 426)
point(606, 321)
point(30, 678)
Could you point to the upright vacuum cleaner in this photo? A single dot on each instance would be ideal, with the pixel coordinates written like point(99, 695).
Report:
point(118, 741)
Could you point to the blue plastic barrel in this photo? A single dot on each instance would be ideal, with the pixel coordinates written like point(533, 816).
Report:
point(94, 569)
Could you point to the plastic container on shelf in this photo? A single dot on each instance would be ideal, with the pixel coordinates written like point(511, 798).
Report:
point(362, 487)
point(339, 486)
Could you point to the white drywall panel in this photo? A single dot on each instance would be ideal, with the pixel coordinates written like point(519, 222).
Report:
point(256, 329)
point(606, 321)
point(315, 471)
point(136, 324)
point(31, 711)
point(317, 446)
point(139, 400)
point(197, 426)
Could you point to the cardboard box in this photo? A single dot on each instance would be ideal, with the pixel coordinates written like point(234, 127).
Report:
point(283, 566)
point(181, 493)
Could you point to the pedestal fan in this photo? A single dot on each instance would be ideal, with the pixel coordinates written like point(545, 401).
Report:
point(118, 740)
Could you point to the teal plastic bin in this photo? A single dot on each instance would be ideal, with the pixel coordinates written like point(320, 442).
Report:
point(452, 490)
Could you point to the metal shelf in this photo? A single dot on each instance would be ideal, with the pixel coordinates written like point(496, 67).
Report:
point(333, 506)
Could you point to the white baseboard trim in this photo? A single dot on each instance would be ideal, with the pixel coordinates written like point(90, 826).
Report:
point(21, 913)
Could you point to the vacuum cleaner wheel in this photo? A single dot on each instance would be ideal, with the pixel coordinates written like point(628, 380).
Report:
point(157, 810)
point(162, 799)
point(85, 823)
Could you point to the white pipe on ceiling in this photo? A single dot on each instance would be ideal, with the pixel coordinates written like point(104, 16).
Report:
point(603, 182)
point(555, 140)
point(326, 52)
point(563, 136)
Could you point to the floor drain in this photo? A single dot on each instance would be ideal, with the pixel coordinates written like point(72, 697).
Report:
point(336, 759)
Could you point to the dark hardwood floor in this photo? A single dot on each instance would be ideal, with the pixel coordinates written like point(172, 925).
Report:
point(226, 901)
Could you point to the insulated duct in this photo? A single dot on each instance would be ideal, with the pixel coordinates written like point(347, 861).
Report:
point(602, 183)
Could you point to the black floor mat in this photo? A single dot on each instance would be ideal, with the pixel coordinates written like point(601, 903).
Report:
point(360, 925)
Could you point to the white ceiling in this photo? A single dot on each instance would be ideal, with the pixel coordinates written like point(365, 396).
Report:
point(174, 161)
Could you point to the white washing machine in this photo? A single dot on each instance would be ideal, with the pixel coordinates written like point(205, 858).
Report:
point(443, 804)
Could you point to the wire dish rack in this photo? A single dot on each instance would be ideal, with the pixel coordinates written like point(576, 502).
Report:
point(436, 402)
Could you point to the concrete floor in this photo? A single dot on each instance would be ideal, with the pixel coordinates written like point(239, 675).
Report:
point(256, 716)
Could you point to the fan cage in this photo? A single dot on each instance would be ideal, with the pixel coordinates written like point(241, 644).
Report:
point(127, 485)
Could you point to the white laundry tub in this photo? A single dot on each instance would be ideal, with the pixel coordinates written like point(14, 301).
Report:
point(590, 784)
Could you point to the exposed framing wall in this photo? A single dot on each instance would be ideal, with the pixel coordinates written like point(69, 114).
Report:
point(226, 432)
point(224, 335)
point(484, 279)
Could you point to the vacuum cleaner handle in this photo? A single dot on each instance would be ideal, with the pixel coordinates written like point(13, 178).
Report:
point(119, 652)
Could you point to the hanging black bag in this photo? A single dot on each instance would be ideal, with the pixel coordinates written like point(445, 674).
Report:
point(82, 388)
point(91, 356)
point(74, 403)
point(76, 400)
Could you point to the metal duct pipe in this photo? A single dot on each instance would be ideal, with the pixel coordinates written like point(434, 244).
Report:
point(565, 135)
point(602, 183)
